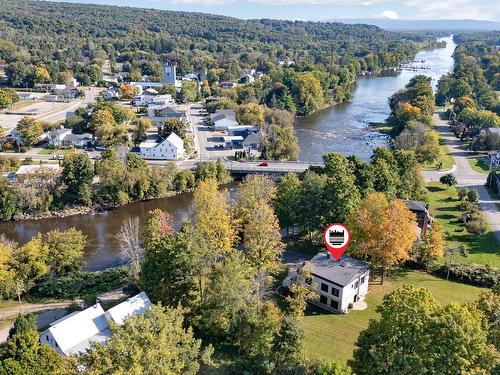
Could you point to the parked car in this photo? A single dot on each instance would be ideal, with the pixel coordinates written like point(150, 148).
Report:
point(60, 157)
point(263, 164)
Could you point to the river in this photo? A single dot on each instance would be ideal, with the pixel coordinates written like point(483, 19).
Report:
point(340, 128)
point(343, 128)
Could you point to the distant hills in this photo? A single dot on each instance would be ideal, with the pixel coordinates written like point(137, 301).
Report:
point(456, 25)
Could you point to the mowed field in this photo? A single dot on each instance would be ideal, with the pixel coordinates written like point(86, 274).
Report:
point(329, 336)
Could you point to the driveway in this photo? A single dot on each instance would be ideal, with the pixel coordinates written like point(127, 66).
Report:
point(466, 176)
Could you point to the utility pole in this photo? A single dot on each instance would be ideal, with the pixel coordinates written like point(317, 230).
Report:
point(18, 291)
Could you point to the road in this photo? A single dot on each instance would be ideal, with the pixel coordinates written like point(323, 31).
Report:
point(466, 176)
point(49, 111)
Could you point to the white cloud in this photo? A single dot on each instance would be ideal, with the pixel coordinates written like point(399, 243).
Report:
point(389, 14)
point(409, 9)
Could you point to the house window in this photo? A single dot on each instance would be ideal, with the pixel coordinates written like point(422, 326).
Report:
point(363, 280)
point(335, 291)
point(334, 304)
point(356, 284)
point(324, 287)
point(323, 300)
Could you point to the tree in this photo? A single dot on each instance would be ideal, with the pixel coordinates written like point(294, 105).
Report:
point(130, 246)
point(77, 175)
point(301, 290)
point(140, 132)
point(65, 250)
point(128, 91)
point(309, 93)
point(489, 304)
point(173, 125)
point(312, 197)
point(382, 231)
point(8, 97)
point(23, 353)
point(448, 179)
point(31, 262)
point(31, 130)
point(7, 200)
point(250, 114)
point(189, 91)
point(262, 241)
point(473, 196)
point(417, 335)
point(213, 219)
point(159, 225)
point(255, 189)
point(155, 342)
point(287, 199)
point(42, 75)
point(105, 128)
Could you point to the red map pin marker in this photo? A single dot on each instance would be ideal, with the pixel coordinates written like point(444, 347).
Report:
point(336, 238)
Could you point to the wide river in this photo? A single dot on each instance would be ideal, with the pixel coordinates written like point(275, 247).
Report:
point(340, 128)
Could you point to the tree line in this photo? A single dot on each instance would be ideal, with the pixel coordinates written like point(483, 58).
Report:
point(108, 183)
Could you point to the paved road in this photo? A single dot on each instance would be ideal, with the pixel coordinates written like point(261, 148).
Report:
point(466, 176)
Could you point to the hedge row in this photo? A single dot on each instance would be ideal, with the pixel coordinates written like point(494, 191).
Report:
point(80, 284)
point(476, 274)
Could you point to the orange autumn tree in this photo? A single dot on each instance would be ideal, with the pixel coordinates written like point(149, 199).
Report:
point(382, 232)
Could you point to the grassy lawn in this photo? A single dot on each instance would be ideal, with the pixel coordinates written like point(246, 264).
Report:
point(444, 157)
point(52, 151)
point(330, 336)
point(478, 164)
point(445, 207)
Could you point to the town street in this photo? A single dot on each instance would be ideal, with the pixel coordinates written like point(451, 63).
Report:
point(465, 175)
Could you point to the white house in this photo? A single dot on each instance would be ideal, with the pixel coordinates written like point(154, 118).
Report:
point(146, 99)
point(171, 148)
point(64, 137)
point(158, 113)
point(56, 136)
point(110, 94)
point(340, 284)
point(73, 334)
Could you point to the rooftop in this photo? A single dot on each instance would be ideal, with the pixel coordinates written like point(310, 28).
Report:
point(416, 205)
point(131, 307)
point(37, 168)
point(341, 272)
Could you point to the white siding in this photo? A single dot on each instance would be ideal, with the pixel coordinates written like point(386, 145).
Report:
point(327, 297)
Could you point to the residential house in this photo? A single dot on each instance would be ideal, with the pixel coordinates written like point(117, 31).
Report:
point(421, 210)
point(158, 113)
point(63, 137)
point(190, 77)
point(246, 78)
point(226, 85)
point(252, 141)
point(171, 148)
point(56, 136)
point(73, 334)
point(110, 94)
point(340, 284)
point(17, 138)
point(493, 160)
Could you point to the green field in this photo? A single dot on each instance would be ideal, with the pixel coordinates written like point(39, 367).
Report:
point(444, 157)
point(54, 151)
point(329, 336)
point(444, 206)
point(478, 164)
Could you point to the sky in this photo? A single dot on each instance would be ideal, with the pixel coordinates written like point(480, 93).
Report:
point(326, 9)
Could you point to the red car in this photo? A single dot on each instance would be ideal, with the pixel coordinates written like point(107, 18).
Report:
point(263, 164)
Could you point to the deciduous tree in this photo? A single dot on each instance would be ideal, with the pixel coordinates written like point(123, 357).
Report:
point(382, 231)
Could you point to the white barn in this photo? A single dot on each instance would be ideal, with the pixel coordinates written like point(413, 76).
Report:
point(171, 148)
point(74, 333)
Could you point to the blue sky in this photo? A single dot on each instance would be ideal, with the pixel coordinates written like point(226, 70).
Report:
point(327, 9)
